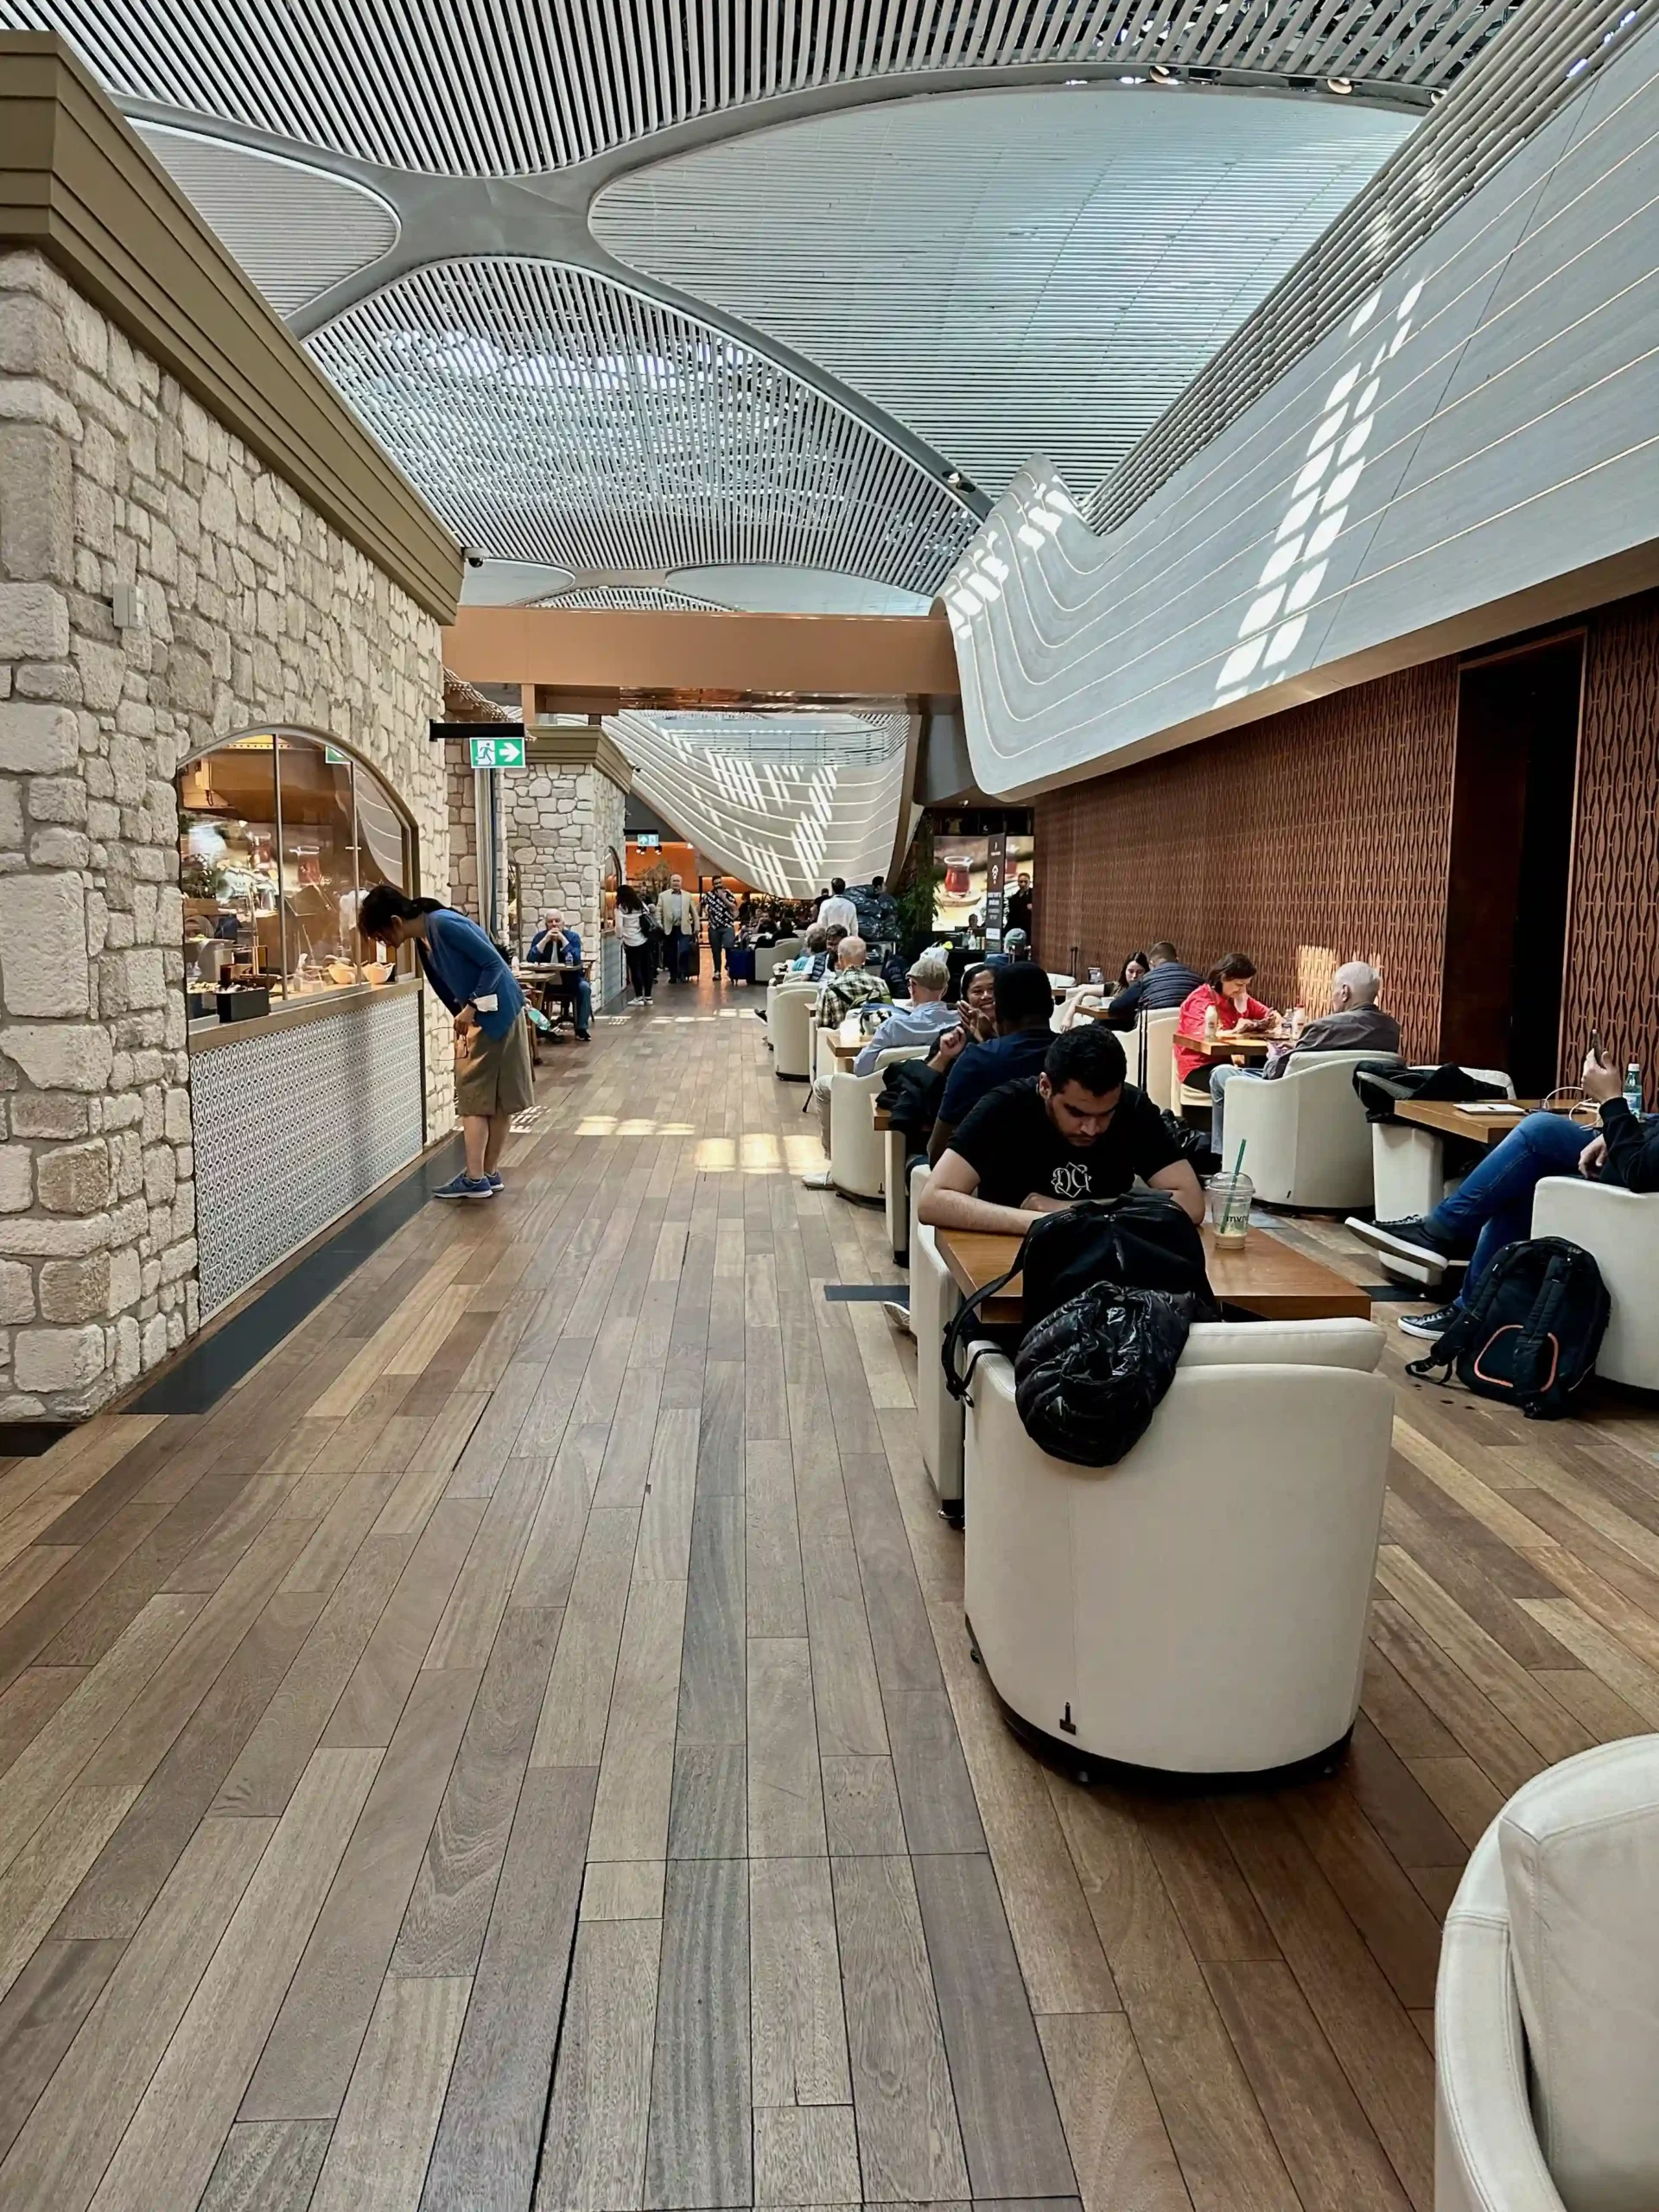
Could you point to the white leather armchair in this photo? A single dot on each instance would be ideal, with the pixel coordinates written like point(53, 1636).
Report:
point(1156, 1031)
point(791, 1026)
point(1306, 1139)
point(1546, 2022)
point(1199, 1609)
point(1620, 1230)
point(858, 1156)
point(787, 948)
point(934, 1303)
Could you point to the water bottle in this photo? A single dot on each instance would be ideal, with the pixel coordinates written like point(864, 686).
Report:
point(1633, 1087)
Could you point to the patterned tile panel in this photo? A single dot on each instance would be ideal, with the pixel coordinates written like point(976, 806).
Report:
point(1613, 964)
point(292, 1127)
point(1319, 835)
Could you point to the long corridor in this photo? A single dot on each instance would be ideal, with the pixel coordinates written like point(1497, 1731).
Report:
point(520, 1746)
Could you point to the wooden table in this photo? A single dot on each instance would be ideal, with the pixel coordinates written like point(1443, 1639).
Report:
point(1442, 1113)
point(561, 976)
point(882, 1118)
point(1267, 1277)
point(1227, 1045)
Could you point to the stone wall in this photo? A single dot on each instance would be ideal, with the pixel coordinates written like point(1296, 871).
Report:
point(561, 823)
point(257, 613)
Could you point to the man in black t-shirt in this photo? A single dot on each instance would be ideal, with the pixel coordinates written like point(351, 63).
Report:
point(1078, 1130)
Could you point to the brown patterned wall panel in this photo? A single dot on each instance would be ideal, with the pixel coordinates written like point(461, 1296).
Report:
point(1612, 978)
point(1317, 836)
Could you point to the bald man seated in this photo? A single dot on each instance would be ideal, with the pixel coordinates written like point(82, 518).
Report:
point(1355, 1024)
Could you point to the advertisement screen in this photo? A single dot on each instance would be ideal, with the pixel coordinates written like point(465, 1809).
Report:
point(962, 894)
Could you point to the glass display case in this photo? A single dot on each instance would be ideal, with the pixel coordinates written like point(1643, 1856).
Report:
point(280, 836)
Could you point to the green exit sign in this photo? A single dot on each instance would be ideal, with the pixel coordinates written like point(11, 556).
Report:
point(497, 752)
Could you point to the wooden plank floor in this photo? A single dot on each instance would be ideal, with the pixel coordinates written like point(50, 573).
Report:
point(520, 1749)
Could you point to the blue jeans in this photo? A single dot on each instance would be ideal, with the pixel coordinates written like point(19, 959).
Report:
point(719, 940)
point(1494, 1206)
point(1220, 1077)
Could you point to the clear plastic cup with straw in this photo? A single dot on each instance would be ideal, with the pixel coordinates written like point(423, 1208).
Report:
point(1228, 1198)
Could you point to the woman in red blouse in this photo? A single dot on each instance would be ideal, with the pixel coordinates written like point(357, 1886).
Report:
point(1227, 989)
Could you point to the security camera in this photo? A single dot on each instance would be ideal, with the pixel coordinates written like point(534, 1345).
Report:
point(475, 560)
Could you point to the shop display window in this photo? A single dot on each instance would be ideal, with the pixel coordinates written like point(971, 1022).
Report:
point(280, 836)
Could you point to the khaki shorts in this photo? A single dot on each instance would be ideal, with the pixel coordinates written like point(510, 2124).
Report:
point(492, 1073)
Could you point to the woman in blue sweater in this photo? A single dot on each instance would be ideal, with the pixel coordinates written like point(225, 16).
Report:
point(492, 1076)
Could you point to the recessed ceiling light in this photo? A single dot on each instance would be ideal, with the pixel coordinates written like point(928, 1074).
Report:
point(1339, 84)
point(1075, 80)
point(1131, 81)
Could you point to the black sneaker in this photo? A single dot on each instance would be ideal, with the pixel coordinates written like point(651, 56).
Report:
point(1429, 1324)
point(1413, 1238)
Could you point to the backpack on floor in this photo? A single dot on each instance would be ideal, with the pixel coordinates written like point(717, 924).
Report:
point(1143, 1241)
point(1529, 1334)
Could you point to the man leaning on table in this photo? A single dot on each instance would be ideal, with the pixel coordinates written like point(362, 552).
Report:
point(555, 946)
point(1492, 1206)
point(1078, 1130)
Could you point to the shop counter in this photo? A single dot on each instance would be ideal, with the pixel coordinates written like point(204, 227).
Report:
point(299, 1114)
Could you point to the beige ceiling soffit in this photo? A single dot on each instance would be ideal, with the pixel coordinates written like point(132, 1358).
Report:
point(874, 655)
point(79, 185)
point(577, 748)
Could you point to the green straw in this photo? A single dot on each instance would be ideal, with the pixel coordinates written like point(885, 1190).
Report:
point(1232, 1188)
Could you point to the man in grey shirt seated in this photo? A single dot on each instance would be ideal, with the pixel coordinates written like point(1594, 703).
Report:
point(1355, 1024)
point(922, 1021)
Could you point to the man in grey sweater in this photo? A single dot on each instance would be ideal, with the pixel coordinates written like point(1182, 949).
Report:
point(1355, 1024)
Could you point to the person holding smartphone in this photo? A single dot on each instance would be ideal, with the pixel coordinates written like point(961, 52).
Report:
point(1493, 1205)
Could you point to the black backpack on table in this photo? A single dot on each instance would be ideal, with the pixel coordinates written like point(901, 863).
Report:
point(1529, 1334)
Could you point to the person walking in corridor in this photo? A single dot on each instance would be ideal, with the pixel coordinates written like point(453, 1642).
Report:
point(676, 915)
point(719, 915)
point(492, 1074)
point(634, 927)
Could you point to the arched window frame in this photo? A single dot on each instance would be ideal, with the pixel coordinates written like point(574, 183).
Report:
point(326, 742)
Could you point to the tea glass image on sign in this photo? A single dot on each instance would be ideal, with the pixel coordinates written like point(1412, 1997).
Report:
point(965, 862)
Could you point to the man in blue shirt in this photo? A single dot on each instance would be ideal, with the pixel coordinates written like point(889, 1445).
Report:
point(1025, 1006)
point(555, 946)
point(492, 1074)
point(1165, 984)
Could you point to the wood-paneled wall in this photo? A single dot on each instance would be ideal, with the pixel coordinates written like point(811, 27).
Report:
point(1319, 835)
point(1323, 834)
point(1612, 967)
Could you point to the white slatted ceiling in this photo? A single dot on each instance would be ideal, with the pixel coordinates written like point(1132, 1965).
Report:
point(1543, 63)
point(784, 825)
point(504, 87)
point(549, 415)
point(1007, 272)
point(295, 230)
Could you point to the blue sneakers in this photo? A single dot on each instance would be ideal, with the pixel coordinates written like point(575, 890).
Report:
point(493, 1179)
point(463, 1187)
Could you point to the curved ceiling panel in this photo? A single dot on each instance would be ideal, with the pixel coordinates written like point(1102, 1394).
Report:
point(511, 583)
point(549, 415)
point(635, 599)
point(294, 229)
point(784, 801)
point(1007, 272)
point(799, 591)
point(504, 87)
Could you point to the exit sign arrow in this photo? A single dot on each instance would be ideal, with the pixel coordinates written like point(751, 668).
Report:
point(497, 752)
